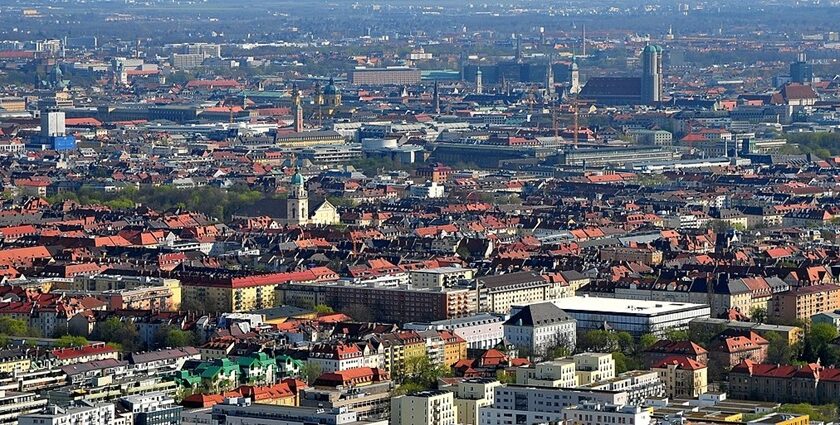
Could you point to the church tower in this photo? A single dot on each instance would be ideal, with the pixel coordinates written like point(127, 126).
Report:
point(479, 86)
point(297, 204)
point(574, 77)
point(549, 78)
point(332, 97)
point(297, 109)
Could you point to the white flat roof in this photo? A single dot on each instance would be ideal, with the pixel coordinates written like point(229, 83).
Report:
point(438, 270)
point(623, 306)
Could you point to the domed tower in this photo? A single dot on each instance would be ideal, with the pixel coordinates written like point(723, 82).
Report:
point(651, 74)
point(574, 77)
point(297, 204)
point(332, 97)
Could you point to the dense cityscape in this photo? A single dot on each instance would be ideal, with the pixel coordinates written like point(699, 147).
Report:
point(419, 212)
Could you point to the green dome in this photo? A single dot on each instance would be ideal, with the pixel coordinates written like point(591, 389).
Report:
point(331, 89)
point(297, 179)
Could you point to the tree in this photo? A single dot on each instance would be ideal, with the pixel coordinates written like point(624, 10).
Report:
point(822, 333)
point(817, 341)
point(646, 341)
point(759, 315)
point(310, 371)
point(620, 362)
point(824, 413)
point(171, 336)
point(71, 341)
point(676, 335)
point(421, 371)
point(779, 351)
point(408, 388)
point(323, 309)
point(504, 377)
point(597, 341)
point(114, 330)
point(14, 327)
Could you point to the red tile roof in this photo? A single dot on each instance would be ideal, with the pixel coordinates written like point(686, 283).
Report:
point(682, 362)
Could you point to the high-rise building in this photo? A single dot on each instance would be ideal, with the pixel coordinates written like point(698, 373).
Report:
point(801, 72)
point(52, 123)
point(186, 60)
point(652, 74)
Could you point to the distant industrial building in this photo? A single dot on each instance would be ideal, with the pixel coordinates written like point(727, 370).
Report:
point(615, 156)
point(392, 76)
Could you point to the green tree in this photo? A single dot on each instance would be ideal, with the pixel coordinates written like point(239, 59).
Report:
point(597, 341)
point(14, 327)
point(646, 341)
point(779, 351)
point(323, 309)
point(71, 341)
point(172, 336)
point(408, 387)
point(823, 413)
point(505, 378)
point(676, 335)
point(758, 315)
point(114, 330)
point(310, 371)
point(817, 337)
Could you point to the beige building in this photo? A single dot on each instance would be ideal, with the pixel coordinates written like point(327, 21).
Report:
point(439, 277)
point(800, 303)
point(558, 373)
point(568, 372)
point(683, 377)
point(499, 293)
point(632, 255)
point(129, 292)
point(433, 407)
point(470, 396)
point(593, 367)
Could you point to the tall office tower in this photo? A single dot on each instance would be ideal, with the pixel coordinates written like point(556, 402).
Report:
point(479, 87)
point(574, 77)
point(52, 123)
point(652, 74)
point(801, 71)
point(519, 48)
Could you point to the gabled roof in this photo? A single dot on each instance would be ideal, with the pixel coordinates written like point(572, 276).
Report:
point(681, 362)
point(541, 314)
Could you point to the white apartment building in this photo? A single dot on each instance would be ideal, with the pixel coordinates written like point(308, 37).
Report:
point(481, 331)
point(100, 414)
point(432, 407)
point(588, 413)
